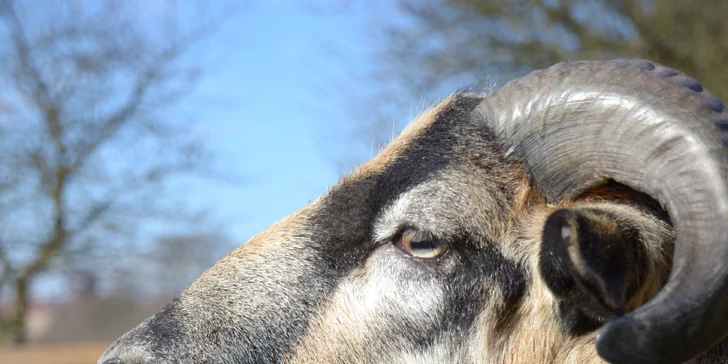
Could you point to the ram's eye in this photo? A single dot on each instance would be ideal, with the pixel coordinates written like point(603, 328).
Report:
point(420, 245)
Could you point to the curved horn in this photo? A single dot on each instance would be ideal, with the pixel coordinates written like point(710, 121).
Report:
point(575, 125)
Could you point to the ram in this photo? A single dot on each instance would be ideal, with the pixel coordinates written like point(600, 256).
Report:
point(576, 215)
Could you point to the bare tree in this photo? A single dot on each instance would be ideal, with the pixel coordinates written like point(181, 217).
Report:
point(88, 137)
point(427, 49)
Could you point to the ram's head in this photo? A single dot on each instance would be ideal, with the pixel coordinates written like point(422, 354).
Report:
point(576, 214)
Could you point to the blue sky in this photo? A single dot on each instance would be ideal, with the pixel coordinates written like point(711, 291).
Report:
point(269, 107)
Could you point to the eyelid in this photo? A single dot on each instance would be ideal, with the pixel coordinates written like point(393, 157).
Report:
point(417, 234)
point(394, 233)
point(387, 232)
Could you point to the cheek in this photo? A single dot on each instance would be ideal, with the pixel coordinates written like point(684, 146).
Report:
point(392, 304)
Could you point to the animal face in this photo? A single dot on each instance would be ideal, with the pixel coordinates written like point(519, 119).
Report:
point(474, 237)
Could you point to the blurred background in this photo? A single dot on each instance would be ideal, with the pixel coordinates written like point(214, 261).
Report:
point(142, 140)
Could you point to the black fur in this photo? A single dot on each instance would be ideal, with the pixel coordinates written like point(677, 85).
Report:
point(483, 261)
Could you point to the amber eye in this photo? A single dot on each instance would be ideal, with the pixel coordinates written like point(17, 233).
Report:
point(420, 245)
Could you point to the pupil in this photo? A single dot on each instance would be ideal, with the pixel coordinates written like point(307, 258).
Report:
point(423, 245)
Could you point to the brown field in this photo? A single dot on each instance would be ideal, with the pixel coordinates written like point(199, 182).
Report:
point(77, 353)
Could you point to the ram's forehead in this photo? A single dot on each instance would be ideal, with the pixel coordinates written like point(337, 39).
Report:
point(413, 133)
point(457, 201)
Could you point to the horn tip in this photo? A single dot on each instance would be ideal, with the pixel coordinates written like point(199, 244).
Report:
point(622, 340)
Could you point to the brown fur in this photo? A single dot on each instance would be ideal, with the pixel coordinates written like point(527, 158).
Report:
point(376, 309)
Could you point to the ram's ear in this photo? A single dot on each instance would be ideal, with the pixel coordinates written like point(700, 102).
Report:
point(590, 260)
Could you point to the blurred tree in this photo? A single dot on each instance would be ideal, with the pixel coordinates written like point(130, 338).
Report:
point(177, 260)
point(433, 47)
point(87, 142)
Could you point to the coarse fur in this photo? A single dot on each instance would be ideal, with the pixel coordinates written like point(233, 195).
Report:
point(327, 284)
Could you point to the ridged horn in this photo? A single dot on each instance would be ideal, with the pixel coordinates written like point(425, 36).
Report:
point(578, 124)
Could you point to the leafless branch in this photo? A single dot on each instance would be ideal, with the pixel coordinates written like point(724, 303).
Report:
point(88, 87)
